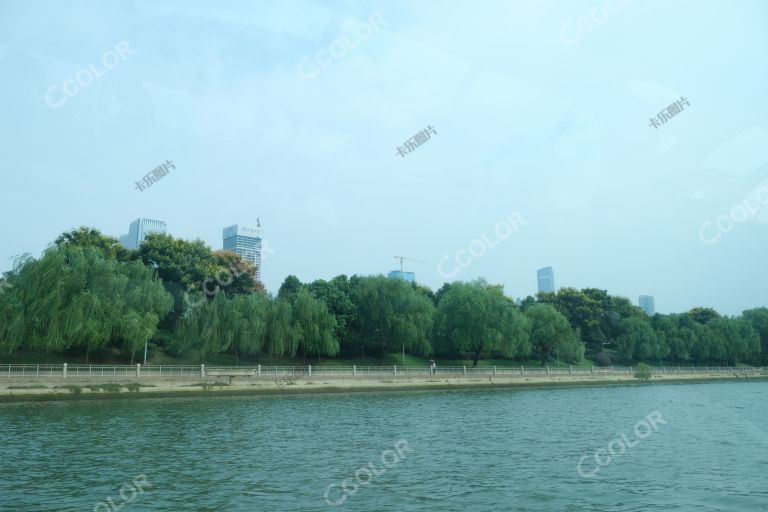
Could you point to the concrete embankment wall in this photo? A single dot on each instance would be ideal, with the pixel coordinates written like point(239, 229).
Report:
point(48, 388)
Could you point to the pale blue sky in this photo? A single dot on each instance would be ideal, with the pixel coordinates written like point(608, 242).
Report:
point(532, 116)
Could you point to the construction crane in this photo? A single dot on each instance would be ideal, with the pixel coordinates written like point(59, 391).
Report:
point(401, 258)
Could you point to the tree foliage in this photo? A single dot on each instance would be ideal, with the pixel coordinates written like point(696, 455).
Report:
point(87, 294)
point(73, 297)
point(478, 319)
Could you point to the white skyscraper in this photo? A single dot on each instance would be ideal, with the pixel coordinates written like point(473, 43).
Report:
point(246, 242)
point(139, 230)
point(646, 303)
point(546, 279)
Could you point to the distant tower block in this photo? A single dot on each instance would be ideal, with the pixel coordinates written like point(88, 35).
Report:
point(546, 278)
point(646, 304)
point(405, 276)
point(139, 230)
point(246, 242)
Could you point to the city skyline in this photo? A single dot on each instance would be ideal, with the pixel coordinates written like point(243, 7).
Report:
point(608, 200)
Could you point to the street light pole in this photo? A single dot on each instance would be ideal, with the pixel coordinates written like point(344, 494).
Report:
point(145, 352)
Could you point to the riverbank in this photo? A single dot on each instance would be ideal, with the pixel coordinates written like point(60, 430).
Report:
point(42, 389)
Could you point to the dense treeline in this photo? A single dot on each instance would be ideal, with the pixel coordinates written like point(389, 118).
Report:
point(87, 295)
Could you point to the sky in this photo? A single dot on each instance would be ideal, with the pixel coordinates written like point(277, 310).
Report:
point(551, 140)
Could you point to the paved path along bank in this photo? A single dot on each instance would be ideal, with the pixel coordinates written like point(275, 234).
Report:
point(54, 382)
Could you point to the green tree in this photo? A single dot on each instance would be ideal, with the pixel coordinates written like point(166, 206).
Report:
point(290, 289)
point(478, 319)
point(758, 318)
point(336, 296)
point(249, 319)
point(84, 236)
point(637, 340)
point(392, 315)
point(281, 336)
point(73, 297)
point(313, 326)
point(703, 315)
point(549, 329)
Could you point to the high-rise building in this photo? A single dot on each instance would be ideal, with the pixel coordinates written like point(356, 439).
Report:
point(646, 304)
point(246, 242)
point(139, 230)
point(546, 278)
point(405, 276)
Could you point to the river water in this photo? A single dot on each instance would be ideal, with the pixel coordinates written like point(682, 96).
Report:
point(697, 447)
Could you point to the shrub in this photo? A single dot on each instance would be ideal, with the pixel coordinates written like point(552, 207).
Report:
point(603, 359)
point(643, 371)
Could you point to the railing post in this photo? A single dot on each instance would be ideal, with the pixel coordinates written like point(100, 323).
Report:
point(522, 370)
point(547, 369)
point(394, 369)
point(37, 374)
point(611, 368)
point(202, 371)
point(570, 369)
point(354, 370)
point(309, 370)
point(138, 370)
point(258, 371)
point(465, 369)
point(591, 369)
point(63, 370)
point(494, 370)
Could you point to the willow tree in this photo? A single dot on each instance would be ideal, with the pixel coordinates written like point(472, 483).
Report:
point(477, 319)
point(313, 326)
point(392, 315)
point(281, 337)
point(226, 323)
point(74, 297)
point(204, 328)
point(249, 319)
